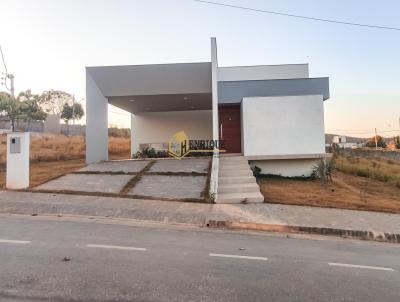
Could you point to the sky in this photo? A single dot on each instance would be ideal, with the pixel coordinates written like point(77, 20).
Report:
point(48, 43)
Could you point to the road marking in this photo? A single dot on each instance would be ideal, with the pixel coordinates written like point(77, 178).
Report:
point(117, 247)
point(378, 268)
point(14, 241)
point(238, 257)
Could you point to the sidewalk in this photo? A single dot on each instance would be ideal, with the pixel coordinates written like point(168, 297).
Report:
point(267, 217)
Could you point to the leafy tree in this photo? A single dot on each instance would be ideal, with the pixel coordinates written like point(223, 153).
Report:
point(70, 112)
point(52, 101)
point(24, 107)
point(380, 141)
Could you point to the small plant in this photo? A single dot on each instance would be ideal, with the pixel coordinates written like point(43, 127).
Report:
point(212, 197)
point(256, 171)
point(150, 153)
point(323, 170)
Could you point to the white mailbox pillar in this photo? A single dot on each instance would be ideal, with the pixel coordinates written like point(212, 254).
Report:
point(17, 160)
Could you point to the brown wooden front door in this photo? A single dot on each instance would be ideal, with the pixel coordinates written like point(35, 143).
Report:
point(230, 128)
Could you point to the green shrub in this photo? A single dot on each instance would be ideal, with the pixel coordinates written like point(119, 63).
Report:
point(256, 171)
point(323, 170)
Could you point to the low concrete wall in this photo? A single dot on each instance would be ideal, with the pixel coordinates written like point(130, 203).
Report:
point(286, 167)
point(389, 154)
point(23, 126)
point(34, 126)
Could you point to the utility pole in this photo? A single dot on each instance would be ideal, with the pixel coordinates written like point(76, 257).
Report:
point(11, 77)
point(73, 109)
point(8, 76)
point(376, 139)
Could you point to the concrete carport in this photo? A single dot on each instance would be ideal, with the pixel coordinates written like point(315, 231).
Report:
point(162, 98)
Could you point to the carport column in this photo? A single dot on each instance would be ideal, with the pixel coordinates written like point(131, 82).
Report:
point(213, 192)
point(96, 122)
point(134, 140)
point(214, 80)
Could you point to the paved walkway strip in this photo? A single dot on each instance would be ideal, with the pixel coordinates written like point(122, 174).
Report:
point(238, 257)
point(378, 268)
point(14, 241)
point(116, 247)
point(135, 179)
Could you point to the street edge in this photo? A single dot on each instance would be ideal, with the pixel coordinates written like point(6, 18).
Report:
point(344, 233)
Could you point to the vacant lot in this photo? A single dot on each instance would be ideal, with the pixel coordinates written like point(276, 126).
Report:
point(358, 183)
point(382, 169)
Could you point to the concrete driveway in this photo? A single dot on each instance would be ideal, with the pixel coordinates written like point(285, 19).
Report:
point(170, 179)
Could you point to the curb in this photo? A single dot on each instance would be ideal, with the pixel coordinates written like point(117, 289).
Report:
point(354, 234)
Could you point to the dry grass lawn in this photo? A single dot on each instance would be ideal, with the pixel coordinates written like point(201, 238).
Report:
point(48, 147)
point(345, 191)
point(382, 169)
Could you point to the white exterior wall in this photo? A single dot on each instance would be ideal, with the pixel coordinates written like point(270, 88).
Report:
point(159, 127)
point(286, 167)
point(286, 125)
point(263, 72)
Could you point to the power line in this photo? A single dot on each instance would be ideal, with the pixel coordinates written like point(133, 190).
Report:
point(5, 67)
point(298, 16)
point(4, 62)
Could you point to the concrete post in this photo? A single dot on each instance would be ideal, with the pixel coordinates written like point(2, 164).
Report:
point(17, 160)
point(96, 122)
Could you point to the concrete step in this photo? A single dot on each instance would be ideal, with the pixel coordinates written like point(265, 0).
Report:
point(236, 180)
point(233, 159)
point(237, 166)
point(255, 197)
point(225, 155)
point(239, 188)
point(233, 170)
point(242, 172)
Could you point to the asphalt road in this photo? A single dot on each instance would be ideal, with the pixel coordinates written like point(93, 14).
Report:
point(42, 260)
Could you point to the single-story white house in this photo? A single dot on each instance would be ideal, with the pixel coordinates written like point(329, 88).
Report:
point(273, 115)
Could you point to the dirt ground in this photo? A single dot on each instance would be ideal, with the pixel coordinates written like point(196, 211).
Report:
point(44, 171)
point(345, 191)
point(55, 155)
point(41, 172)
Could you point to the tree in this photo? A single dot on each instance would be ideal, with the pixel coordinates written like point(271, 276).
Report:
point(70, 112)
point(24, 107)
point(397, 142)
point(380, 142)
point(52, 101)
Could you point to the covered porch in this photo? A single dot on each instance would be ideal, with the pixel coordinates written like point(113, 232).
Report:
point(163, 99)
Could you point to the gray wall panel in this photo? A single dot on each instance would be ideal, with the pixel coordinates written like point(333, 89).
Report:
point(233, 92)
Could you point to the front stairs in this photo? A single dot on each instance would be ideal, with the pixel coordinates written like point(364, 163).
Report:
point(236, 183)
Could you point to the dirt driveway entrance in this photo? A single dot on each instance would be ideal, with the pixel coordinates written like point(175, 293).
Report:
point(166, 179)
